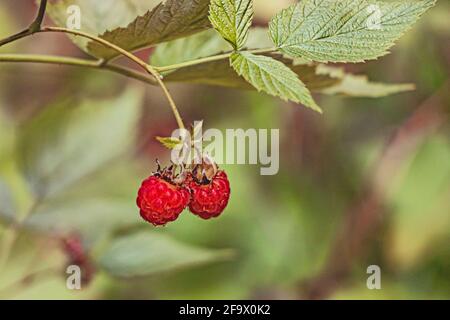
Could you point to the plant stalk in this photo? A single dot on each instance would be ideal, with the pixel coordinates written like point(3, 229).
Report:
point(34, 27)
point(209, 59)
point(148, 68)
point(94, 64)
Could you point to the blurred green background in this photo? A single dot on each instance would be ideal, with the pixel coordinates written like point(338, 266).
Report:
point(366, 183)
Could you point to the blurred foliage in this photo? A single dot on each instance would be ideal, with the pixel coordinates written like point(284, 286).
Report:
point(75, 145)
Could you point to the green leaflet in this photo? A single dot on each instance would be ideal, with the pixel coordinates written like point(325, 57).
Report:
point(169, 142)
point(96, 17)
point(94, 207)
point(92, 218)
point(344, 30)
point(200, 45)
point(145, 253)
point(317, 77)
point(220, 73)
point(273, 77)
point(359, 85)
point(204, 44)
point(169, 20)
point(232, 19)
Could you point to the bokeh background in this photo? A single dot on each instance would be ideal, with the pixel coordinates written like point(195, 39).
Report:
point(366, 183)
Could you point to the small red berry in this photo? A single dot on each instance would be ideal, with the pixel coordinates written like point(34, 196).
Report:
point(160, 200)
point(209, 197)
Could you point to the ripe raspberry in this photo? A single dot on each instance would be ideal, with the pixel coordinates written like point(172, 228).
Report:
point(209, 197)
point(160, 200)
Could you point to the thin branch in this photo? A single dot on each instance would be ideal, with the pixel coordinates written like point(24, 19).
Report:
point(15, 37)
point(108, 44)
point(154, 71)
point(193, 62)
point(209, 59)
point(148, 68)
point(94, 64)
point(33, 28)
point(36, 25)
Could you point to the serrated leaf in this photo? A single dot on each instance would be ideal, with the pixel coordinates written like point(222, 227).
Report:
point(359, 85)
point(96, 16)
point(273, 77)
point(344, 30)
point(204, 44)
point(146, 253)
point(169, 142)
point(66, 142)
point(169, 20)
point(220, 73)
point(217, 73)
point(232, 19)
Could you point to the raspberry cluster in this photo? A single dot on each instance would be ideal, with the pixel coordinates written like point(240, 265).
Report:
point(163, 196)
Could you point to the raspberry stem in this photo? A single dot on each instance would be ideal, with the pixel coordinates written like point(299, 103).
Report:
point(69, 61)
point(35, 27)
point(209, 59)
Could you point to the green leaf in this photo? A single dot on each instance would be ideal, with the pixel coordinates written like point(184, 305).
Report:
point(200, 45)
point(169, 20)
point(67, 142)
point(273, 77)
point(220, 73)
point(92, 218)
point(95, 207)
point(146, 253)
point(204, 44)
point(359, 85)
point(169, 142)
point(96, 16)
point(217, 73)
point(232, 19)
point(344, 30)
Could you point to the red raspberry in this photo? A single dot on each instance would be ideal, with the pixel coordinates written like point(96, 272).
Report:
point(209, 199)
point(161, 201)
